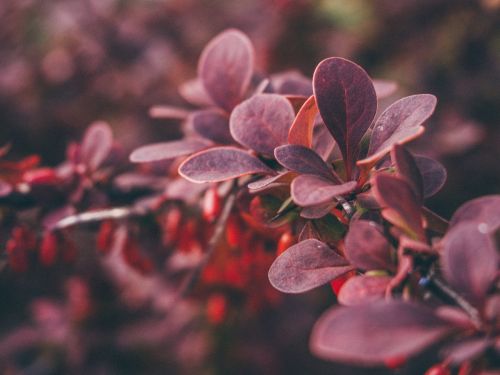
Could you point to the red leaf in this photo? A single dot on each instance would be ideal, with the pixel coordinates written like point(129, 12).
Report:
point(262, 122)
point(305, 266)
point(301, 131)
point(310, 190)
point(167, 150)
point(220, 164)
point(226, 67)
point(347, 103)
point(212, 124)
point(371, 334)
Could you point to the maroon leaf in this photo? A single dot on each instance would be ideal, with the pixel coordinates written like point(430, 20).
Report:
point(399, 204)
point(305, 266)
point(301, 131)
point(167, 150)
point(347, 103)
point(301, 159)
point(265, 182)
point(225, 68)
point(484, 210)
point(363, 289)
point(470, 260)
point(384, 88)
point(371, 334)
point(408, 169)
point(366, 247)
point(220, 164)
point(262, 122)
point(311, 190)
point(433, 174)
point(212, 124)
point(399, 123)
point(96, 144)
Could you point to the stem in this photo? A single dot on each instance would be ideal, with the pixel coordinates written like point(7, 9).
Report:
point(92, 216)
point(191, 280)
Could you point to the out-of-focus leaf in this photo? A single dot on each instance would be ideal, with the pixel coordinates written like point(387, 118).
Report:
point(167, 150)
point(347, 102)
point(484, 210)
point(96, 144)
point(311, 190)
point(466, 350)
point(366, 247)
point(384, 88)
point(316, 212)
point(433, 174)
point(168, 112)
point(194, 92)
point(226, 67)
point(399, 123)
point(470, 260)
point(363, 289)
point(5, 188)
point(399, 203)
point(297, 101)
point(408, 169)
point(262, 122)
point(305, 266)
point(291, 83)
point(220, 164)
point(301, 131)
point(303, 160)
point(212, 124)
point(373, 333)
point(323, 142)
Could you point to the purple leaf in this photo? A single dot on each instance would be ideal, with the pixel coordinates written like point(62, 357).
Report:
point(194, 92)
point(311, 190)
point(96, 144)
point(347, 103)
point(301, 131)
point(291, 83)
point(408, 169)
point(384, 88)
point(466, 350)
point(484, 210)
point(470, 260)
point(363, 289)
point(371, 334)
point(303, 160)
point(305, 266)
point(264, 182)
point(366, 247)
point(212, 124)
point(167, 150)
point(316, 212)
point(399, 204)
point(262, 122)
point(323, 142)
point(225, 68)
point(220, 164)
point(399, 123)
point(433, 174)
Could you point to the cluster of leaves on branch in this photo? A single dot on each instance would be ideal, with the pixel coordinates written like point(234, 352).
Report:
point(302, 170)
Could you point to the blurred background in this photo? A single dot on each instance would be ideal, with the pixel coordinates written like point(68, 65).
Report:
point(66, 63)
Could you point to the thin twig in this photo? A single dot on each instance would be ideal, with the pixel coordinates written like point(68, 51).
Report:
point(99, 215)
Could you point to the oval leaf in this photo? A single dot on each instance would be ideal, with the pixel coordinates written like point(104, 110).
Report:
point(301, 159)
point(399, 204)
point(371, 334)
point(485, 210)
point(311, 190)
point(301, 131)
point(262, 122)
point(363, 289)
point(366, 247)
point(433, 174)
point(225, 68)
point(408, 169)
point(194, 92)
point(96, 144)
point(305, 266)
point(384, 88)
point(470, 260)
point(220, 164)
point(212, 124)
point(399, 123)
point(347, 103)
point(167, 150)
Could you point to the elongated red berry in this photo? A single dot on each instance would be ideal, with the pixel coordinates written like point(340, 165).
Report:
point(216, 308)
point(286, 240)
point(234, 233)
point(48, 249)
point(211, 204)
point(438, 369)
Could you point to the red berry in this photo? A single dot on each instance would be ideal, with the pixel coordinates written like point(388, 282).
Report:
point(41, 176)
point(105, 236)
point(340, 281)
point(216, 308)
point(48, 249)
point(395, 362)
point(233, 231)
point(438, 369)
point(286, 240)
point(211, 204)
